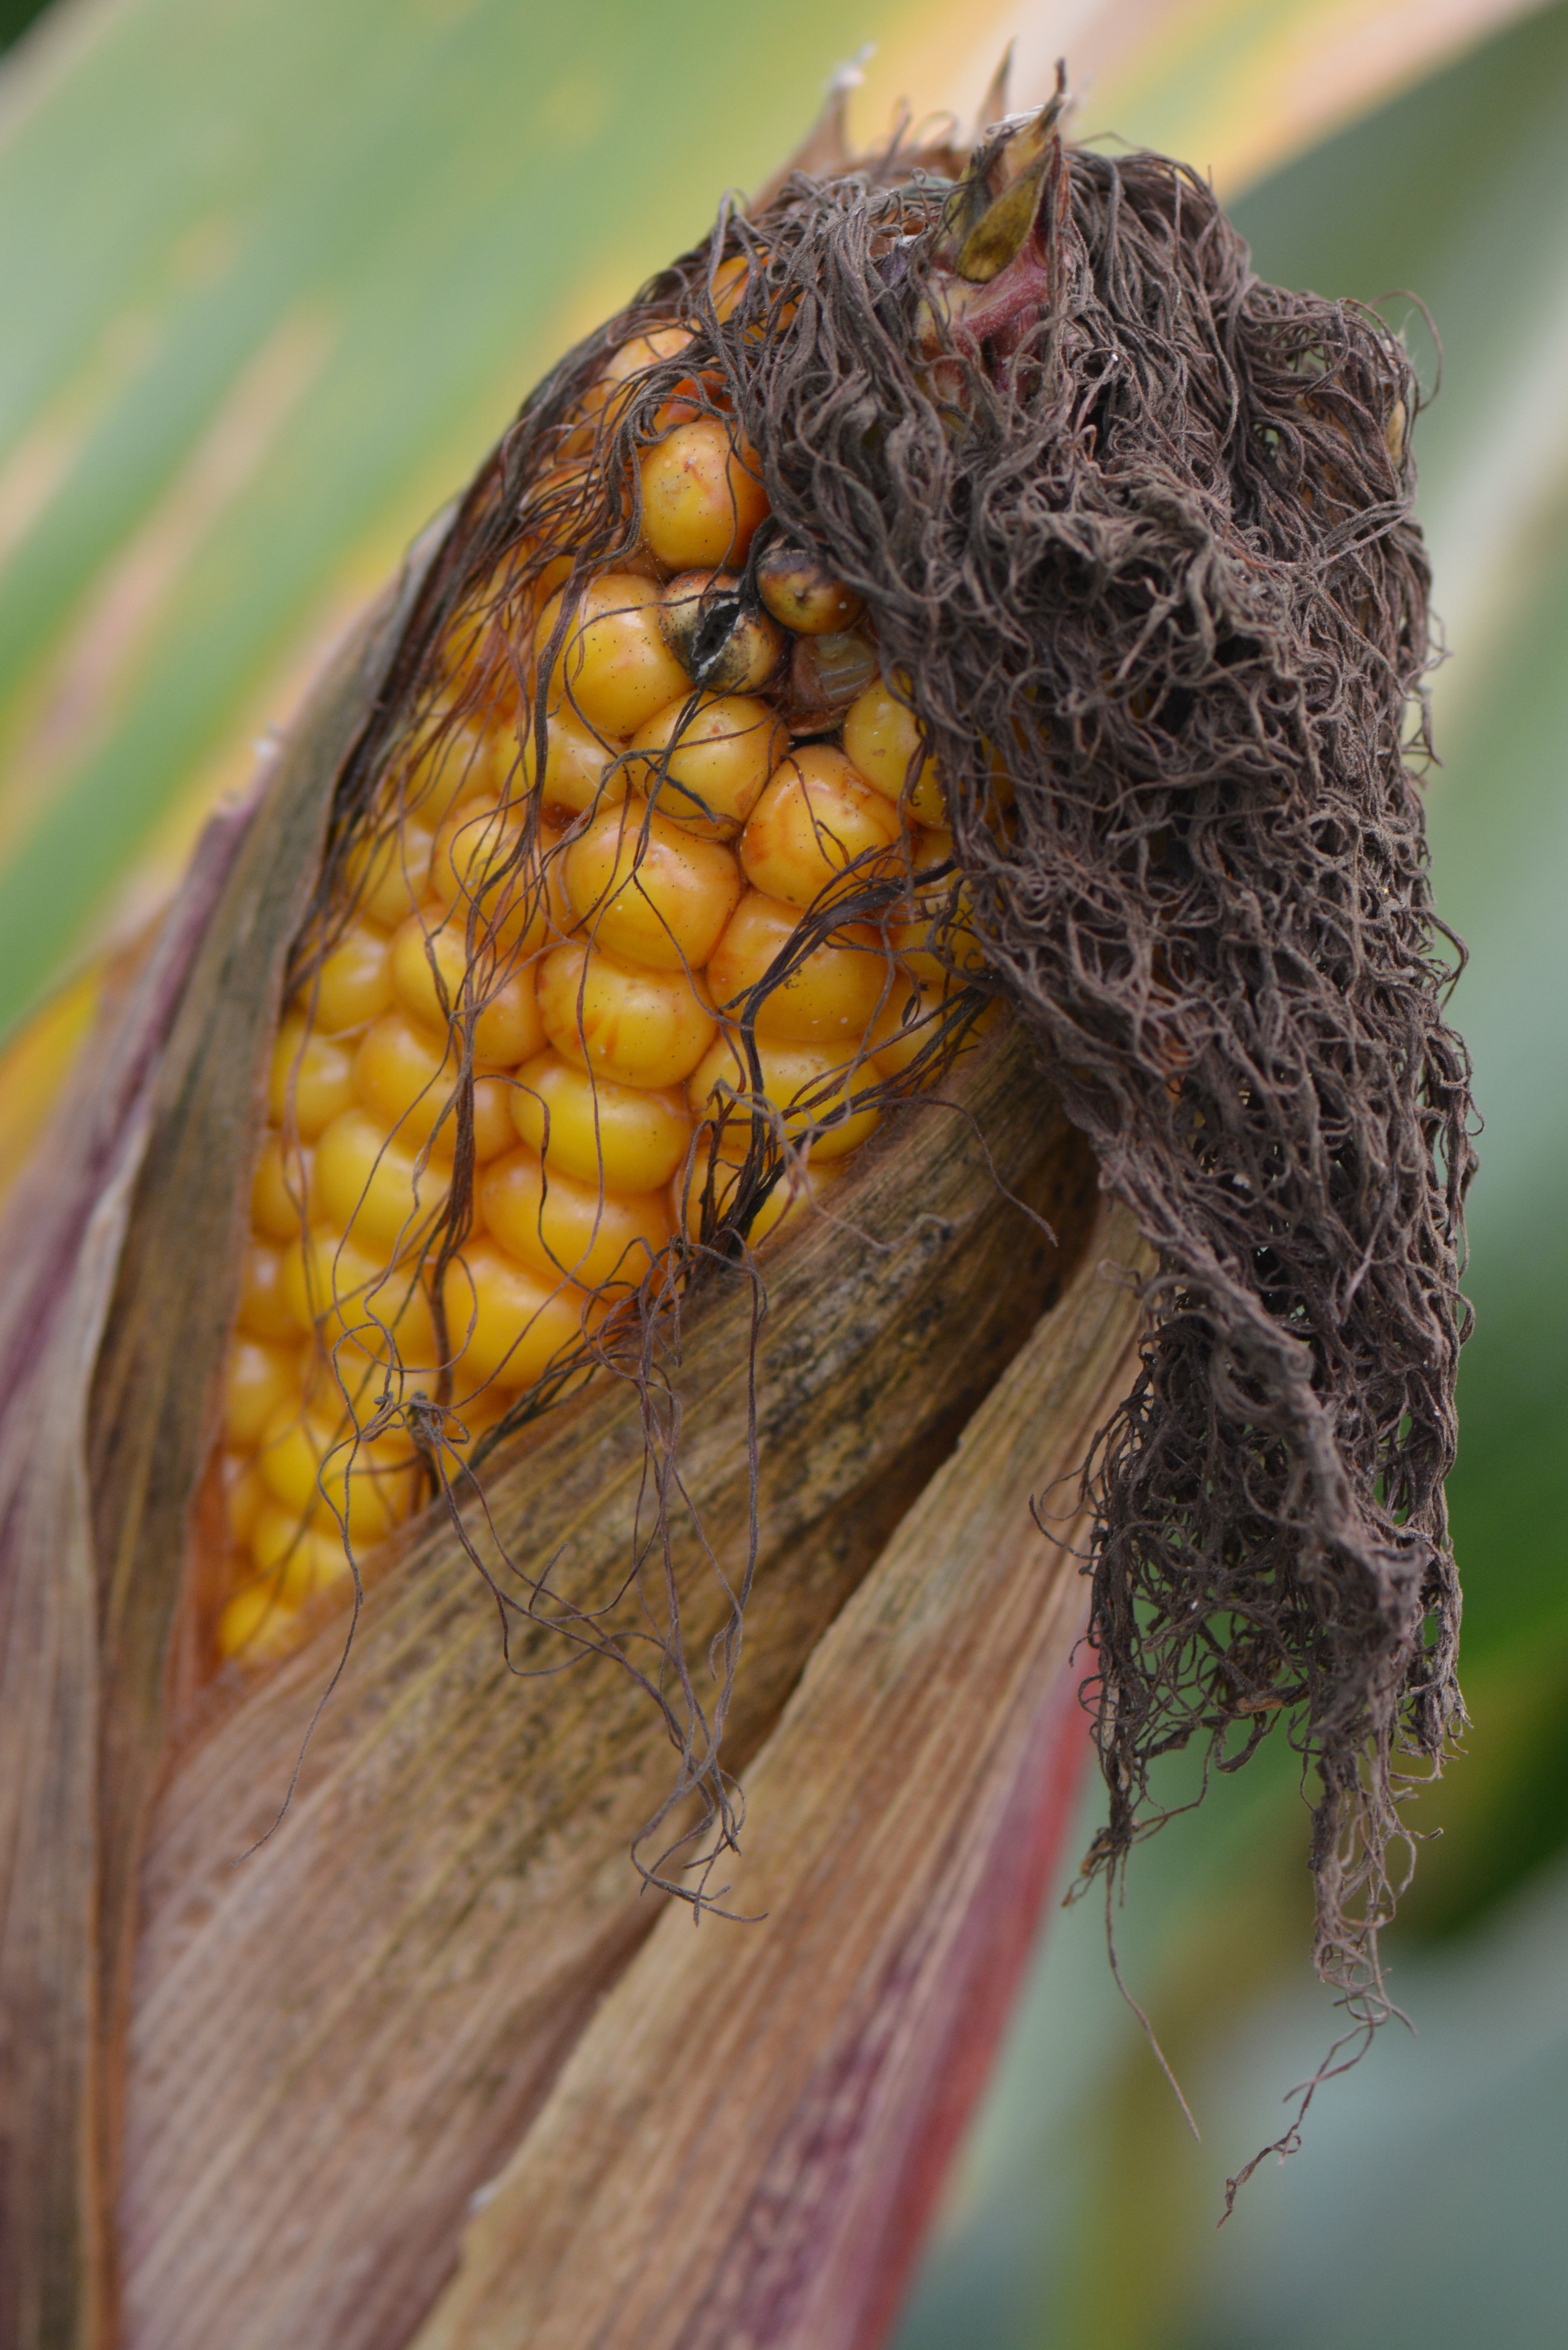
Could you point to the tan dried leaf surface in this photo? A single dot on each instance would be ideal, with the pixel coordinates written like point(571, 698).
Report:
point(747, 2137)
point(337, 2041)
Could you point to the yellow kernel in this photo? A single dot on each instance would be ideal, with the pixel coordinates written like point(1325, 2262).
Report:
point(507, 1323)
point(321, 1471)
point(601, 1240)
point(465, 759)
point(387, 874)
point(707, 760)
point(643, 1027)
point(348, 1293)
point(265, 1308)
point(353, 984)
point(728, 285)
point(613, 670)
point(298, 1559)
point(256, 1625)
point(371, 1186)
point(579, 773)
point(795, 1191)
point(882, 743)
point(259, 1376)
point(281, 1191)
point(817, 1095)
point(938, 937)
point(702, 502)
point(612, 390)
point(244, 1493)
point(648, 891)
point(488, 871)
point(312, 1078)
point(589, 1126)
point(435, 982)
point(406, 1076)
point(816, 819)
point(492, 1128)
point(832, 994)
point(799, 590)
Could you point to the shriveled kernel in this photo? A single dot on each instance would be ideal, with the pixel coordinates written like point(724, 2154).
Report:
point(817, 1095)
point(346, 1292)
point(579, 770)
point(613, 669)
point(312, 1078)
point(882, 743)
point(508, 1323)
point(585, 1125)
point(281, 1191)
point(792, 1196)
point(825, 676)
point(436, 982)
point(643, 1027)
point(606, 1241)
point(702, 500)
point(800, 591)
point(264, 1309)
point(319, 1469)
point(831, 995)
point(371, 1186)
point(353, 985)
point(387, 874)
point(816, 819)
point(244, 1493)
point(649, 892)
point(723, 643)
point(488, 871)
point(705, 760)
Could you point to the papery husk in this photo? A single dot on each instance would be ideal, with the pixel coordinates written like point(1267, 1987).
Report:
point(106, 1425)
point(744, 2147)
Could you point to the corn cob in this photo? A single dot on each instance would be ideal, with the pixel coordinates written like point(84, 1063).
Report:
point(598, 872)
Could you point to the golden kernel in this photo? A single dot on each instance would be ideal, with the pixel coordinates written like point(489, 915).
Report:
point(643, 1027)
point(599, 1239)
point(588, 1125)
point(260, 1375)
point(707, 759)
point(816, 819)
point(507, 1323)
point(702, 500)
point(436, 982)
point(832, 994)
point(312, 1078)
point(648, 891)
point(281, 1192)
point(613, 669)
point(818, 1094)
point(882, 743)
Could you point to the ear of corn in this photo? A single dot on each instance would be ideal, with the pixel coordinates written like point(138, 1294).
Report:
point(579, 946)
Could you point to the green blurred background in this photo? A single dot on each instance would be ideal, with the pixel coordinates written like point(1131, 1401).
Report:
point(273, 272)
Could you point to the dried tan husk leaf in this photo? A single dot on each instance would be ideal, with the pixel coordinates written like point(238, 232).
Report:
point(107, 1359)
point(747, 2137)
point(337, 2042)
